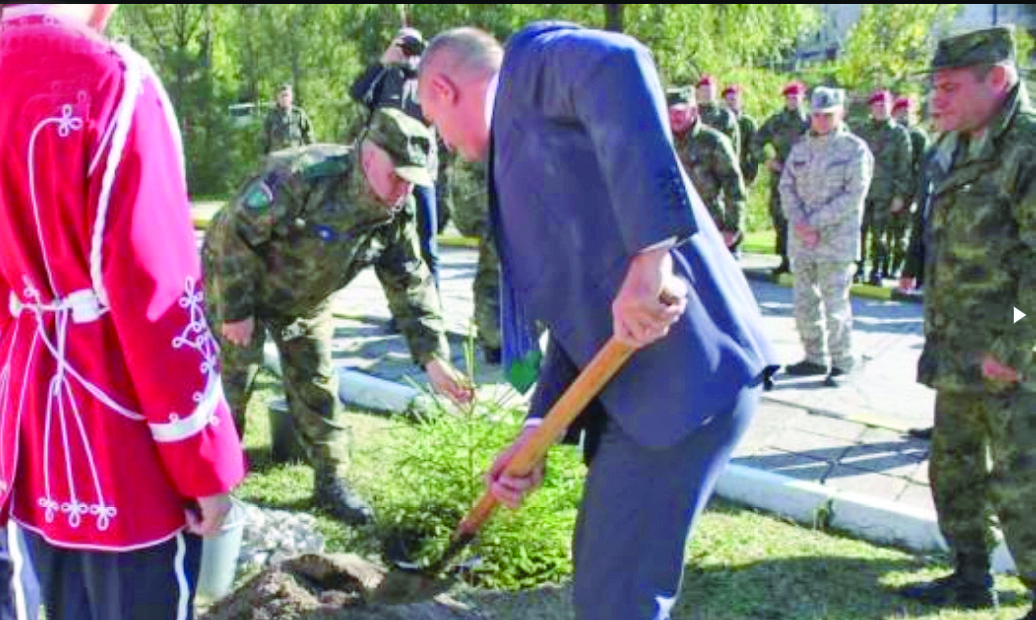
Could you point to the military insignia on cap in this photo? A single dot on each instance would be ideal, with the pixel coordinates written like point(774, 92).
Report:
point(258, 197)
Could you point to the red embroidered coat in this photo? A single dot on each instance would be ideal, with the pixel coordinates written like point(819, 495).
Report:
point(111, 409)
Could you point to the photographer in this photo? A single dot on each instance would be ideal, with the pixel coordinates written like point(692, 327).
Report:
point(392, 82)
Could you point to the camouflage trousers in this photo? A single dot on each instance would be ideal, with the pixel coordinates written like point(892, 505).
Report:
point(983, 462)
point(822, 301)
point(310, 382)
point(779, 221)
point(888, 237)
point(486, 289)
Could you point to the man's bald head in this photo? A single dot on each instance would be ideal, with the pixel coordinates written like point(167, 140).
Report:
point(462, 53)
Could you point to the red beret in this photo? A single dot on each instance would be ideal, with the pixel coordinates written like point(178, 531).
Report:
point(706, 80)
point(903, 102)
point(879, 96)
point(733, 88)
point(794, 88)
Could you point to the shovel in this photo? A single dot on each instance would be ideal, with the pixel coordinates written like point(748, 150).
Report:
point(410, 582)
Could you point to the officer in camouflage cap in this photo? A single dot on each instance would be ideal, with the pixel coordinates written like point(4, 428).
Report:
point(709, 160)
point(714, 115)
point(980, 263)
point(286, 125)
point(298, 231)
point(771, 145)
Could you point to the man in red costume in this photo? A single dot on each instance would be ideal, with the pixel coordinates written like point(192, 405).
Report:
point(116, 445)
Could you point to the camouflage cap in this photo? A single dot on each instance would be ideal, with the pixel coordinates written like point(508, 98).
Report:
point(827, 99)
point(986, 46)
point(407, 141)
point(677, 96)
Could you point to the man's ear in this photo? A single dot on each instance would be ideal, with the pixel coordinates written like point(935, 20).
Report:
point(444, 89)
point(999, 78)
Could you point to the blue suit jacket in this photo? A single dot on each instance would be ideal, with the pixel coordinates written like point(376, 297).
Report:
point(584, 177)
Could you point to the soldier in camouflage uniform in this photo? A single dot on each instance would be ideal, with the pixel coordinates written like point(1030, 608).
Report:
point(471, 216)
point(822, 189)
point(747, 128)
point(904, 110)
point(888, 202)
point(715, 115)
point(286, 125)
point(298, 231)
point(777, 135)
point(708, 157)
point(980, 262)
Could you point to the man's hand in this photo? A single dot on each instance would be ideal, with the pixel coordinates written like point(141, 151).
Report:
point(650, 300)
point(809, 236)
point(208, 519)
point(511, 490)
point(730, 237)
point(394, 53)
point(774, 166)
point(907, 284)
point(239, 332)
point(449, 381)
point(994, 370)
point(897, 204)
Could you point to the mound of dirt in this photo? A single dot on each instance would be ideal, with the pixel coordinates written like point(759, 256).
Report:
point(326, 587)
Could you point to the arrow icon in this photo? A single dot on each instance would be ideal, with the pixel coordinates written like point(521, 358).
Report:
point(1018, 315)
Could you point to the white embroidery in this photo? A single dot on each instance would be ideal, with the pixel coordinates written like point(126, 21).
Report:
point(196, 336)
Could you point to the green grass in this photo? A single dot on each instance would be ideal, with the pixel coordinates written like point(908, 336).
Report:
point(741, 565)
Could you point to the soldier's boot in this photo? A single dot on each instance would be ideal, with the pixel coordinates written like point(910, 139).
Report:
point(968, 587)
point(858, 276)
point(335, 495)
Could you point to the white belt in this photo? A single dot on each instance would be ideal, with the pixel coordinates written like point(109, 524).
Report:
point(86, 307)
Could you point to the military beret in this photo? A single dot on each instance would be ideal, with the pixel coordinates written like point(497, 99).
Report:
point(879, 96)
point(794, 88)
point(986, 46)
point(677, 96)
point(733, 88)
point(903, 102)
point(407, 141)
point(827, 99)
point(706, 80)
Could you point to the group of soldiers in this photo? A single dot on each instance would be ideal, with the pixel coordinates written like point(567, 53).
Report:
point(722, 149)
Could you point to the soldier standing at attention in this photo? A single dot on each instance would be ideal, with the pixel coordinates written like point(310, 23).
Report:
point(822, 188)
point(286, 125)
point(888, 202)
point(747, 128)
point(713, 114)
point(980, 263)
point(904, 110)
point(779, 133)
point(708, 158)
point(298, 231)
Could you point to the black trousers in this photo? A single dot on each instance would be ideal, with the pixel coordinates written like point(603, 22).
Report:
point(155, 583)
point(20, 593)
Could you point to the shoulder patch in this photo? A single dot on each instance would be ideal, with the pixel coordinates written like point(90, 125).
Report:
point(258, 196)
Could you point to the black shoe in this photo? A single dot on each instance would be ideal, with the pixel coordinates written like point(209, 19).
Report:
point(836, 377)
point(492, 355)
point(875, 279)
point(779, 270)
point(921, 433)
point(335, 496)
point(805, 368)
point(953, 591)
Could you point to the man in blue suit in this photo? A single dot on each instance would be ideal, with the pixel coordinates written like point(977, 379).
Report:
point(596, 225)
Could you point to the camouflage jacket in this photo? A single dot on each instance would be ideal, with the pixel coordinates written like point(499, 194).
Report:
point(980, 252)
point(779, 132)
point(747, 128)
point(301, 229)
point(708, 157)
point(918, 146)
point(283, 130)
point(823, 185)
point(722, 119)
point(889, 143)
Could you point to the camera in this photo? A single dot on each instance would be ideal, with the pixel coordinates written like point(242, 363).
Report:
point(411, 45)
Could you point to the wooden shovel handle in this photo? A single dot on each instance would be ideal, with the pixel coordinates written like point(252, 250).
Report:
point(590, 381)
